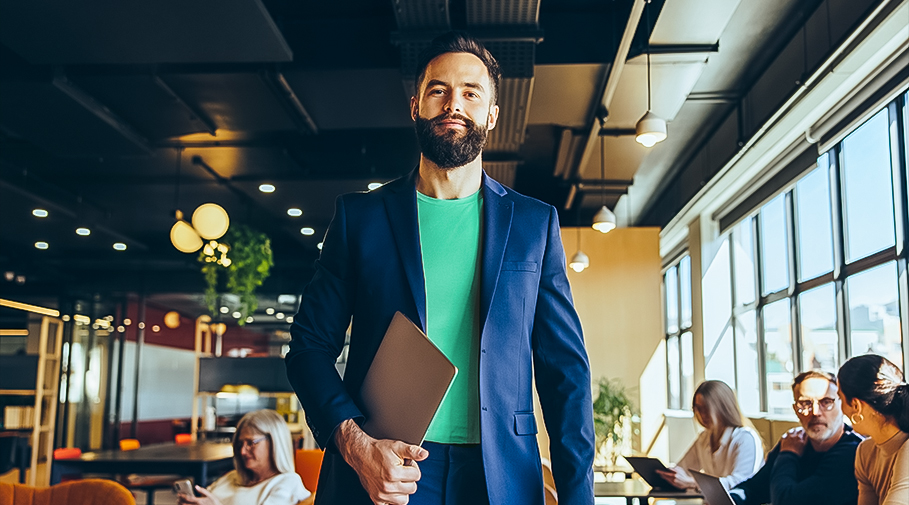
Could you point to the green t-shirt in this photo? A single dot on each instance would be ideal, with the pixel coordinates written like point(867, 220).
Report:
point(450, 243)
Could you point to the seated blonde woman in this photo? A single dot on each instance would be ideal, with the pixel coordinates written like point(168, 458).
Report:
point(263, 467)
point(876, 399)
point(728, 448)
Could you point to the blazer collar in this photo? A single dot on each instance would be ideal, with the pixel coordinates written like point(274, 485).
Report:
point(401, 204)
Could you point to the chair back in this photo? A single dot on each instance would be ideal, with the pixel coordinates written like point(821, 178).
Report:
point(308, 463)
point(129, 444)
point(77, 492)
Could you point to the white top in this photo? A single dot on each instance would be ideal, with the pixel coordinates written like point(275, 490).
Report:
point(282, 489)
point(882, 471)
point(738, 458)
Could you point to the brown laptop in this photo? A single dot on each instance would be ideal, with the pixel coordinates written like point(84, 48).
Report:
point(405, 384)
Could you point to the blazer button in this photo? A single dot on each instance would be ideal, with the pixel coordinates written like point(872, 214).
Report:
point(483, 351)
point(484, 409)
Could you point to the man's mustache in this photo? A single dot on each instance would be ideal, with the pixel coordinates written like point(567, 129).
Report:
point(452, 117)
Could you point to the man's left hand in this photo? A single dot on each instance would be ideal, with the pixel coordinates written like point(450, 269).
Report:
point(678, 477)
point(794, 441)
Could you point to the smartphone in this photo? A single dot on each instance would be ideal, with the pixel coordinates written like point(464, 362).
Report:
point(184, 486)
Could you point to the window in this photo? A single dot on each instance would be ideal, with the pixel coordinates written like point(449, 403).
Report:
point(816, 275)
point(678, 314)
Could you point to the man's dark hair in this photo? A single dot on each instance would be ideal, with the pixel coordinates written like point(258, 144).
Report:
point(458, 42)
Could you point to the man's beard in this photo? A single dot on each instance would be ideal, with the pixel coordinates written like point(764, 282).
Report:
point(450, 149)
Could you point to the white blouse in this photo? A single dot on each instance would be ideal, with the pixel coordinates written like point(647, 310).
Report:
point(282, 489)
point(739, 456)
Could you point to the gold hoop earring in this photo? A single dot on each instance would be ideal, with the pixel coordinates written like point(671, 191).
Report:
point(854, 421)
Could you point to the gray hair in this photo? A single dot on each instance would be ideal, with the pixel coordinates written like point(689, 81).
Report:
point(281, 451)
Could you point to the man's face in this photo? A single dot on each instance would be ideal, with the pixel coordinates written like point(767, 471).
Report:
point(812, 398)
point(454, 109)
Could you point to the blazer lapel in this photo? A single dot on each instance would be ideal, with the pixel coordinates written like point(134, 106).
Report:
point(401, 204)
point(497, 213)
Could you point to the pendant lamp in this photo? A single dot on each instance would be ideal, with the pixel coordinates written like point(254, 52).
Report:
point(579, 261)
point(651, 128)
point(604, 219)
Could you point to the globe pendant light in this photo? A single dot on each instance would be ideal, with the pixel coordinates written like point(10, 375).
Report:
point(184, 237)
point(211, 221)
point(651, 128)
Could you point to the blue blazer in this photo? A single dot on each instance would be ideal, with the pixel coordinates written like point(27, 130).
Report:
point(371, 266)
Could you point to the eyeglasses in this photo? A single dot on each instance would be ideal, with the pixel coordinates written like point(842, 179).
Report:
point(806, 407)
point(249, 444)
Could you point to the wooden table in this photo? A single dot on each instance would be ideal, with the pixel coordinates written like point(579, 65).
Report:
point(203, 461)
point(637, 492)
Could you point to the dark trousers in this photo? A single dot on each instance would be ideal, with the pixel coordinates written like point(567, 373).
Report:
point(451, 475)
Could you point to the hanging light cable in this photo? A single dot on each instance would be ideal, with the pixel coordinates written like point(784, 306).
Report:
point(579, 261)
point(651, 128)
point(182, 235)
point(604, 220)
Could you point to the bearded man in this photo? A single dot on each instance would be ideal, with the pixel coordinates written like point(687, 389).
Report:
point(481, 270)
point(814, 464)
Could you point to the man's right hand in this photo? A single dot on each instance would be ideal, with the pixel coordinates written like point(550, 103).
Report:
point(380, 464)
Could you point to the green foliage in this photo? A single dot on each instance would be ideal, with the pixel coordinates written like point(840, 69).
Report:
point(611, 410)
point(250, 263)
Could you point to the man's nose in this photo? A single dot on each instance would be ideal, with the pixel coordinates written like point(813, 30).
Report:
point(454, 104)
point(815, 408)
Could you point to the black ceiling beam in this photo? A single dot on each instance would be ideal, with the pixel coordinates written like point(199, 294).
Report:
point(491, 34)
point(100, 111)
point(288, 98)
point(193, 112)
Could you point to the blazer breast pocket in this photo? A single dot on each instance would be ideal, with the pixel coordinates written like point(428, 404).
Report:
point(525, 423)
point(519, 266)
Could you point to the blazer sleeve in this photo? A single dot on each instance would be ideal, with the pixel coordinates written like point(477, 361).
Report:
point(317, 335)
point(562, 376)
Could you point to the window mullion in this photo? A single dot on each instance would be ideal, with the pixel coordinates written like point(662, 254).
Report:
point(837, 196)
point(795, 331)
point(759, 313)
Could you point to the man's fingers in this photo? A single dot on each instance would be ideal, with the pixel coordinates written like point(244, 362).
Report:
point(407, 451)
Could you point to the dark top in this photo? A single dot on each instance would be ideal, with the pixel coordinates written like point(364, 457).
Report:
point(821, 478)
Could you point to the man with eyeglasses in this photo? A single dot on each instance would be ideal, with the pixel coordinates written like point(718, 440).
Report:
point(814, 464)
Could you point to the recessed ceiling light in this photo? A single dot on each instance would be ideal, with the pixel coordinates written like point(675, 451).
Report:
point(280, 315)
point(374, 185)
point(294, 212)
point(83, 232)
point(307, 231)
point(249, 319)
point(266, 188)
point(41, 245)
point(156, 328)
point(319, 246)
point(224, 310)
point(236, 315)
point(290, 319)
point(119, 246)
point(39, 213)
point(269, 311)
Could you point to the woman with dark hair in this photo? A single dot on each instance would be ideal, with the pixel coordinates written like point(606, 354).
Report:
point(876, 399)
point(728, 448)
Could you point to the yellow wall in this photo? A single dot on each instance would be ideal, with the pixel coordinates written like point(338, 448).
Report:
point(618, 299)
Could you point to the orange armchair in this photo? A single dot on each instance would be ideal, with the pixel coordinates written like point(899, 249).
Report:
point(308, 463)
point(77, 492)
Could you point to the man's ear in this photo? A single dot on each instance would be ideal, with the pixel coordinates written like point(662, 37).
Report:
point(493, 118)
point(414, 108)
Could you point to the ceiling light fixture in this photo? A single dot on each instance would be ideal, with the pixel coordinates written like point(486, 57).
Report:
point(651, 128)
point(41, 245)
point(307, 231)
point(39, 213)
point(119, 246)
point(83, 232)
point(269, 311)
point(183, 236)
point(266, 188)
point(579, 261)
point(604, 220)
point(211, 221)
point(374, 185)
point(294, 212)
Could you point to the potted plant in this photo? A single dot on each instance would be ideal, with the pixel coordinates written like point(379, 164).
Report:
point(612, 411)
point(244, 256)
